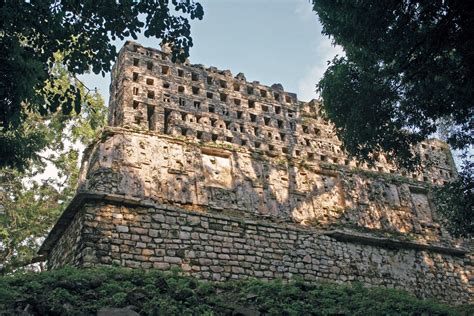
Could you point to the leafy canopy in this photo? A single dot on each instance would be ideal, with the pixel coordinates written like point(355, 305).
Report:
point(28, 206)
point(408, 66)
point(455, 202)
point(31, 32)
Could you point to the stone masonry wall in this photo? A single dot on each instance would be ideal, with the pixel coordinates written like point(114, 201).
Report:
point(218, 247)
point(181, 171)
point(68, 250)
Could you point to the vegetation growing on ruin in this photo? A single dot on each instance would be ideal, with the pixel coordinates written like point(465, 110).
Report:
point(77, 292)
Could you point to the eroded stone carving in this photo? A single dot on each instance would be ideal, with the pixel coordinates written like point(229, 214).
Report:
point(422, 206)
point(217, 171)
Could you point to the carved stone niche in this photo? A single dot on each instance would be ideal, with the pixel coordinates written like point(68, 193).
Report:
point(421, 204)
point(391, 195)
point(326, 193)
point(217, 168)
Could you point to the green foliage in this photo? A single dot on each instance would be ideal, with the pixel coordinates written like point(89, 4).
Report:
point(29, 208)
point(28, 214)
point(455, 202)
point(20, 146)
point(32, 33)
point(408, 66)
point(408, 72)
point(78, 292)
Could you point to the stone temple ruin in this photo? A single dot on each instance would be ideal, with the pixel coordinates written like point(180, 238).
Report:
point(230, 179)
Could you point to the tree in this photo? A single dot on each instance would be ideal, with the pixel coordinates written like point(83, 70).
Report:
point(29, 208)
point(455, 202)
point(408, 70)
point(31, 32)
point(408, 65)
point(26, 217)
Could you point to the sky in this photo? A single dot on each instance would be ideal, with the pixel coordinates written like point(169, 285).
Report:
point(271, 41)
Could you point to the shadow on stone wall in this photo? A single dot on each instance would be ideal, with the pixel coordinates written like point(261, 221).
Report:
point(255, 184)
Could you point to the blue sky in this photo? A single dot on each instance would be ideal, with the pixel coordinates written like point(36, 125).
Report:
point(272, 41)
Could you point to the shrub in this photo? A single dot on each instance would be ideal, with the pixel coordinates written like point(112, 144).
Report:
point(71, 291)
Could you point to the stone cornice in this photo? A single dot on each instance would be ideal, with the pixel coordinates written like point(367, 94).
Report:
point(392, 243)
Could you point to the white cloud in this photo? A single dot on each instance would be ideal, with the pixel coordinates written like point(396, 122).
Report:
point(304, 10)
point(324, 51)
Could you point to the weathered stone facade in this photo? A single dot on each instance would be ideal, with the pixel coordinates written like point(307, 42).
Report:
point(231, 179)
